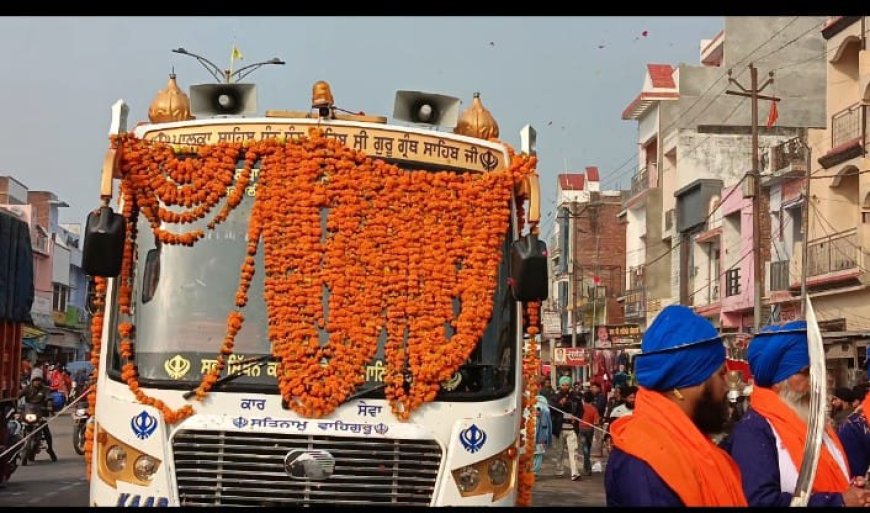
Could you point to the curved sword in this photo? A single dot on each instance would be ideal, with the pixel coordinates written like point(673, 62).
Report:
point(816, 423)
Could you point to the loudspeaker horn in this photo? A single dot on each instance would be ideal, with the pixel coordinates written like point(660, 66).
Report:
point(223, 100)
point(426, 108)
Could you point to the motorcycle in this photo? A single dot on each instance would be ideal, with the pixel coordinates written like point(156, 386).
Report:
point(81, 420)
point(14, 434)
point(33, 420)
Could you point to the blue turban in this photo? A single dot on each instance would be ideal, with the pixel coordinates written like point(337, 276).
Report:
point(778, 352)
point(565, 380)
point(680, 349)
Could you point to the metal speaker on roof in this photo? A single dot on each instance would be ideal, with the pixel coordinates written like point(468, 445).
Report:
point(223, 100)
point(426, 108)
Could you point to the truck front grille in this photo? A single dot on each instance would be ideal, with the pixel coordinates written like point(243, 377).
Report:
point(247, 469)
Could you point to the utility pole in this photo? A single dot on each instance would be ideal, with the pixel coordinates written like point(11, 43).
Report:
point(755, 175)
point(573, 281)
point(806, 226)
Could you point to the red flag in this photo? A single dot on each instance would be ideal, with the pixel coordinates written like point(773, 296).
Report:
point(596, 280)
point(773, 116)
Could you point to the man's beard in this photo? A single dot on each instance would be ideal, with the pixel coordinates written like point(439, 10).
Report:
point(629, 405)
point(711, 413)
point(799, 402)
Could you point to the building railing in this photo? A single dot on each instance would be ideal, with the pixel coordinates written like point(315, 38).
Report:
point(635, 277)
point(635, 303)
point(732, 282)
point(847, 125)
point(779, 275)
point(640, 182)
point(837, 252)
point(789, 153)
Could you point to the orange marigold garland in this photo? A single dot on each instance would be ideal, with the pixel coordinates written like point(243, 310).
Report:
point(399, 246)
point(531, 364)
point(96, 344)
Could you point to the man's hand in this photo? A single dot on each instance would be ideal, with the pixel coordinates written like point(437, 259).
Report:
point(856, 497)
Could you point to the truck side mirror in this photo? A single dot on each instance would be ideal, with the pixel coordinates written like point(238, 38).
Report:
point(103, 249)
point(529, 268)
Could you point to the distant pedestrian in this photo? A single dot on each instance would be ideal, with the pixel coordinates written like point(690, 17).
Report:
point(591, 419)
point(565, 405)
point(543, 432)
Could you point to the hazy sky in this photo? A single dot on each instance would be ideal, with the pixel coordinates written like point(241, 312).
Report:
point(570, 77)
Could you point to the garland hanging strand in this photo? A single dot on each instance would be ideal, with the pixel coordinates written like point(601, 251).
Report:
point(392, 249)
point(531, 364)
point(96, 344)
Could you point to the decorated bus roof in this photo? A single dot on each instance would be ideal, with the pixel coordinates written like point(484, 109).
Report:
point(396, 143)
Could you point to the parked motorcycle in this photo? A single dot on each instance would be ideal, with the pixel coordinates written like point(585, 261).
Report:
point(81, 419)
point(33, 420)
point(14, 434)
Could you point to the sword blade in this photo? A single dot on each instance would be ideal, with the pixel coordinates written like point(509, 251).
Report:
point(816, 423)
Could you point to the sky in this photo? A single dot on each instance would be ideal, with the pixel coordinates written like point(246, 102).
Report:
point(569, 77)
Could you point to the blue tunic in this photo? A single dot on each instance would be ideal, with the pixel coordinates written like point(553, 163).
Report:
point(629, 481)
point(855, 436)
point(753, 447)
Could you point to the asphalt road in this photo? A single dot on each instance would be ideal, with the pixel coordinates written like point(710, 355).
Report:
point(46, 483)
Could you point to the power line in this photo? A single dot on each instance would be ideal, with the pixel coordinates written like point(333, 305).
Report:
point(821, 55)
point(735, 188)
point(701, 96)
point(819, 215)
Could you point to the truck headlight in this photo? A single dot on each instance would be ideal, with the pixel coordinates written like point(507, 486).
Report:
point(495, 475)
point(145, 467)
point(497, 471)
point(468, 478)
point(119, 461)
point(116, 458)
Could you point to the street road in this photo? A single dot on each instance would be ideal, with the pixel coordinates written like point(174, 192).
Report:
point(47, 483)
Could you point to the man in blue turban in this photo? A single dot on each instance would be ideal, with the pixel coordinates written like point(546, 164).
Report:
point(768, 442)
point(663, 454)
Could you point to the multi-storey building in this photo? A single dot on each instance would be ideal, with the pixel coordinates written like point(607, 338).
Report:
point(838, 232)
point(587, 254)
point(689, 233)
point(60, 286)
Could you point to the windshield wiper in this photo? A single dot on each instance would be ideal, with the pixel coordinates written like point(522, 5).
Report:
point(247, 364)
point(408, 379)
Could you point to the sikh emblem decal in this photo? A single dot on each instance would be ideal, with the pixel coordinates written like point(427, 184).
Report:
point(472, 438)
point(176, 367)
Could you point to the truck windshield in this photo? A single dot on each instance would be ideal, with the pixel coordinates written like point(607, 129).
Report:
point(182, 296)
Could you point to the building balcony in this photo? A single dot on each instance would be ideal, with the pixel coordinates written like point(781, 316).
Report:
point(74, 317)
point(634, 306)
point(779, 275)
point(847, 125)
point(834, 254)
point(639, 182)
point(784, 161)
point(847, 135)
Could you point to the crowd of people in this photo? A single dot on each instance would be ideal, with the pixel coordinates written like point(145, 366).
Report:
point(50, 386)
point(573, 416)
point(683, 446)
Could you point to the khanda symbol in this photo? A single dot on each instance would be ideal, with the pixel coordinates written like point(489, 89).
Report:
point(176, 367)
point(489, 162)
point(143, 425)
point(472, 438)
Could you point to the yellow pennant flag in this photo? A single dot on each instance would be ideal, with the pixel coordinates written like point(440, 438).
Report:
point(236, 54)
